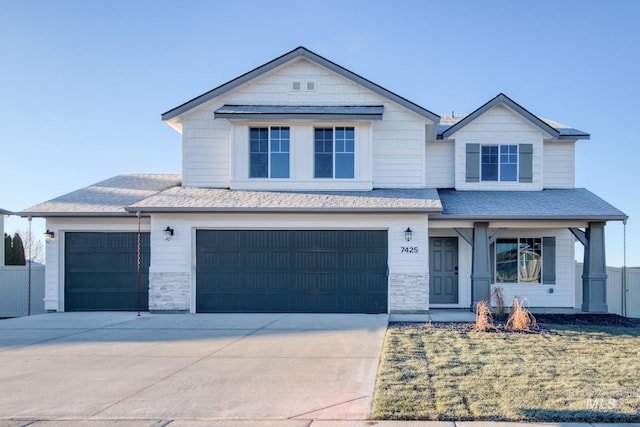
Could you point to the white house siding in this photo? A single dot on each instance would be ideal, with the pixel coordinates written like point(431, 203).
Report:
point(440, 164)
point(535, 295)
point(498, 126)
point(559, 164)
point(175, 260)
point(206, 150)
point(397, 157)
point(54, 271)
point(538, 295)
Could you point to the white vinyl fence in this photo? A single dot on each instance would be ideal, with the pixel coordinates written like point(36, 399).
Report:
point(625, 303)
point(14, 286)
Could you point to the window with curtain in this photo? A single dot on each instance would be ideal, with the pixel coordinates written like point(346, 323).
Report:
point(518, 260)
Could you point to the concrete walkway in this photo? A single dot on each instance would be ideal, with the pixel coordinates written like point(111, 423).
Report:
point(119, 369)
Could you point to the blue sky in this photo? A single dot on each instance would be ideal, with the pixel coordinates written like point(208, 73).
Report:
point(83, 83)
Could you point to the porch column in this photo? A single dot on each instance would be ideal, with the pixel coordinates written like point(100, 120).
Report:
point(594, 273)
point(481, 264)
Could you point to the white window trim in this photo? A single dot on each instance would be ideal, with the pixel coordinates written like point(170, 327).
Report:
point(268, 177)
point(500, 181)
point(355, 143)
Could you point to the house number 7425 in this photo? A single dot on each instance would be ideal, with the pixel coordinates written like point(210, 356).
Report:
point(409, 250)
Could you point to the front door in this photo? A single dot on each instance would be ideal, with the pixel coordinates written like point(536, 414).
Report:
point(443, 267)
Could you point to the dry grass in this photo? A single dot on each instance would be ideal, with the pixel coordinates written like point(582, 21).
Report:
point(520, 318)
point(484, 318)
point(575, 374)
point(498, 300)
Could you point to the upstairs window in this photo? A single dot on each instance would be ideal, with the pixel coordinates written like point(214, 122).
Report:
point(334, 152)
point(499, 163)
point(269, 149)
point(507, 163)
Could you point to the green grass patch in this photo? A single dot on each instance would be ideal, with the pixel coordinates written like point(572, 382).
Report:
point(576, 373)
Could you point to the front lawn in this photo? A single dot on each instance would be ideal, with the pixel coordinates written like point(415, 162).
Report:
point(448, 372)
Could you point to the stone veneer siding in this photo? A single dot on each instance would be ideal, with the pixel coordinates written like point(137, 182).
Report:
point(169, 291)
point(409, 293)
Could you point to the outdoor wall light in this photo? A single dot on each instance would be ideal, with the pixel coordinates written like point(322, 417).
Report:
point(168, 233)
point(408, 234)
point(49, 236)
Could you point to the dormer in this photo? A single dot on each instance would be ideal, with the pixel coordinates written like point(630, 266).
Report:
point(502, 146)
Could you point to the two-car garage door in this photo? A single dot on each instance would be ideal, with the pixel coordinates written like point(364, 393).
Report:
point(305, 271)
point(313, 271)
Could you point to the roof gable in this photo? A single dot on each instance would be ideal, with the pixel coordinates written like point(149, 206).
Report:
point(290, 56)
point(500, 99)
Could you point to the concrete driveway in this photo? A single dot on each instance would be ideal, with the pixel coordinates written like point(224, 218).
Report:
point(117, 366)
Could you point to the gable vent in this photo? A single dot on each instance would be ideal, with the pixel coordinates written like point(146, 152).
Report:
point(296, 86)
point(311, 86)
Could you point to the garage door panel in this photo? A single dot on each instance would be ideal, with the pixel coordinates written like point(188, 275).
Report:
point(101, 271)
point(291, 271)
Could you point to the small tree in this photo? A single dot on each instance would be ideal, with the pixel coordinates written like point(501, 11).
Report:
point(18, 250)
point(13, 250)
point(8, 250)
point(33, 246)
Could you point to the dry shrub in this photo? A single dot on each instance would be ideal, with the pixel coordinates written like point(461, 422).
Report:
point(498, 299)
point(484, 318)
point(520, 318)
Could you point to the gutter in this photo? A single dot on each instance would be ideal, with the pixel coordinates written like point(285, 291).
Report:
point(592, 218)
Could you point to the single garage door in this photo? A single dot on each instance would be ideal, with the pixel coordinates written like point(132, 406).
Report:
point(101, 271)
point(303, 271)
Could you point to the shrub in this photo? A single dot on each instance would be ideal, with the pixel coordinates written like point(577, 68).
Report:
point(484, 318)
point(520, 318)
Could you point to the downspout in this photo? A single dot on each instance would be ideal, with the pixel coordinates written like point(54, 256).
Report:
point(138, 264)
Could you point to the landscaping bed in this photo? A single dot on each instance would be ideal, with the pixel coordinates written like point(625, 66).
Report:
point(573, 368)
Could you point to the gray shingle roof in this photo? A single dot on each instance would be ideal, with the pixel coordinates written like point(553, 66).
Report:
point(5, 212)
point(576, 203)
point(366, 112)
point(124, 194)
point(192, 199)
point(105, 198)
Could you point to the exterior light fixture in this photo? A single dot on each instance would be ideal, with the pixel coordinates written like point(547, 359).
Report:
point(408, 234)
point(168, 233)
point(49, 236)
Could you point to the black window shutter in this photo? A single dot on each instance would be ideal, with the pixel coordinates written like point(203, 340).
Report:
point(525, 154)
point(473, 163)
point(549, 260)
